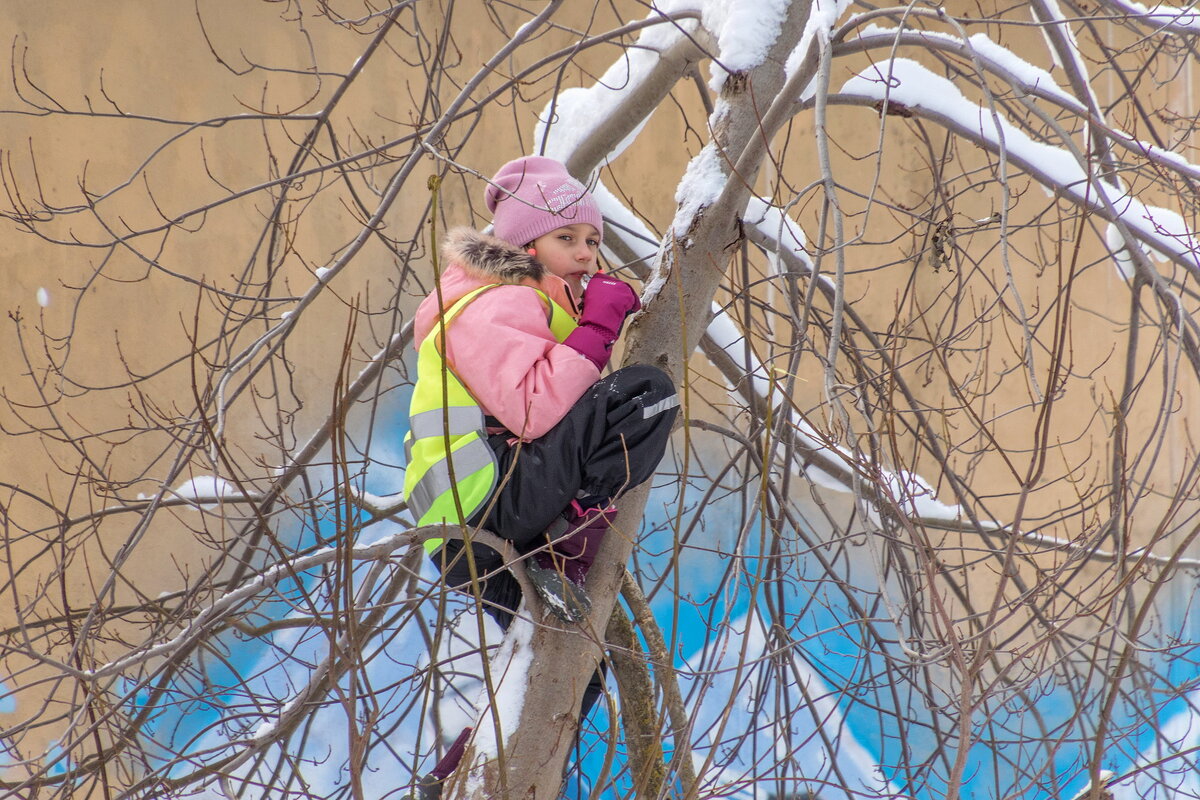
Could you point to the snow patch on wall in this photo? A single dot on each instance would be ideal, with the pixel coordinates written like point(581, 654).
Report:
point(745, 640)
point(1167, 768)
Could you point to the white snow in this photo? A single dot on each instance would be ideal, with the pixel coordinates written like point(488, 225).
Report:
point(658, 279)
point(744, 32)
point(1171, 225)
point(509, 671)
point(729, 337)
point(991, 52)
point(375, 504)
point(823, 479)
point(917, 497)
point(701, 185)
point(772, 221)
point(43, 297)
point(578, 111)
point(1163, 16)
point(1159, 155)
point(206, 487)
point(1122, 260)
point(321, 272)
point(822, 16)
point(911, 84)
point(993, 56)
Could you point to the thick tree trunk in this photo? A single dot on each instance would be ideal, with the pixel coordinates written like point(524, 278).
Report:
point(531, 760)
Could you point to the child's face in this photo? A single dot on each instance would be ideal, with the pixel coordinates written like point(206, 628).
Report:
point(570, 253)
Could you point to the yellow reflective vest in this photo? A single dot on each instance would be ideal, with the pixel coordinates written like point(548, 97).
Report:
point(452, 471)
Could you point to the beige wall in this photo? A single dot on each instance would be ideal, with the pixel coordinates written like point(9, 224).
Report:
point(112, 317)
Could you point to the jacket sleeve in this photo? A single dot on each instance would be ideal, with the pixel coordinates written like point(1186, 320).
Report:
point(501, 348)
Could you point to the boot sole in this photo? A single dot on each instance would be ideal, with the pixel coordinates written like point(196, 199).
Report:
point(564, 598)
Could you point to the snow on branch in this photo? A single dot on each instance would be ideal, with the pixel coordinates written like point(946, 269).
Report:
point(206, 491)
point(1064, 48)
point(784, 241)
point(1162, 17)
point(499, 707)
point(994, 58)
point(701, 185)
point(578, 123)
point(744, 33)
point(903, 83)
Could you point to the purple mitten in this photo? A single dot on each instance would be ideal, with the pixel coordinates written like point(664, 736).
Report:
point(592, 344)
point(606, 303)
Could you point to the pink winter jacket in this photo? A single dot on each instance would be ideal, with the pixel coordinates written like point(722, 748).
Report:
point(500, 346)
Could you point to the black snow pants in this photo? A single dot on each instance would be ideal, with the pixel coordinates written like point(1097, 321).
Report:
point(610, 441)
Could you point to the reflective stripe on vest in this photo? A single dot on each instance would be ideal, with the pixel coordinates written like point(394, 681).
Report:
point(445, 419)
point(455, 421)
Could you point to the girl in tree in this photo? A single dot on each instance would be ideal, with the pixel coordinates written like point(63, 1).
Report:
point(513, 429)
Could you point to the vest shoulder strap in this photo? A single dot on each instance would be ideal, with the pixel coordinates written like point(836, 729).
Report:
point(561, 323)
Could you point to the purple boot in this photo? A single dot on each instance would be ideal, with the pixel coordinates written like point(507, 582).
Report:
point(558, 573)
point(430, 786)
point(574, 547)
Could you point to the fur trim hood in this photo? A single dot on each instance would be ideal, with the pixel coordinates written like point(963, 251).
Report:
point(491, 259)
point(473, 259)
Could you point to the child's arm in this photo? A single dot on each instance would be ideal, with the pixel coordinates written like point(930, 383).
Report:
point(502, 349)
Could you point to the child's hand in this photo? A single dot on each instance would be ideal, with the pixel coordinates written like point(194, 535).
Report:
point(607, 301)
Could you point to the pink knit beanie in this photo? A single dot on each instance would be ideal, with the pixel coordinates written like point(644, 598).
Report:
point(534, 195)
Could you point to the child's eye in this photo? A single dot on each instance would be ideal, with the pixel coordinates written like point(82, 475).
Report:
point(593, 242)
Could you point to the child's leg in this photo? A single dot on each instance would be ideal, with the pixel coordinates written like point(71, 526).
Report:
point(593, 690)
point(610, 441)
point(500, 593)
